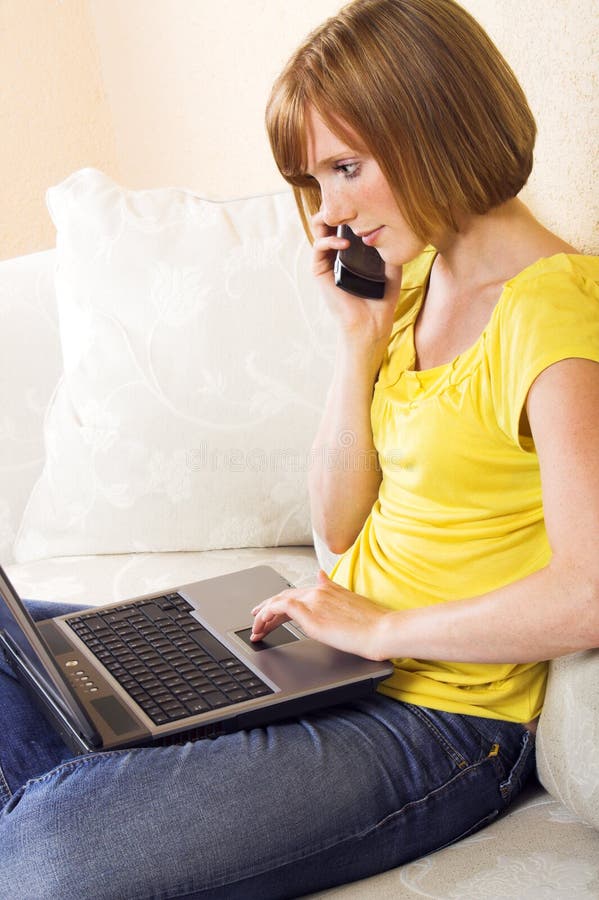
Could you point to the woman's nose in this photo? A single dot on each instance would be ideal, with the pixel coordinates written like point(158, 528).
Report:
point(336, 209)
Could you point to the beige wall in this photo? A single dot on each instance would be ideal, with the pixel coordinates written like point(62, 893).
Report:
point(172, 92)
point(54, 116)
point(187, 82)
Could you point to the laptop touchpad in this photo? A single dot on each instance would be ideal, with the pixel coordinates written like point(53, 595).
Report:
point(277, 637)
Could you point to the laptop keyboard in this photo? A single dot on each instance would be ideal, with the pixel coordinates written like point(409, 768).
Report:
point(165, 659)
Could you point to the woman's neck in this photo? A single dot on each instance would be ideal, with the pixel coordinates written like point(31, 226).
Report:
point(493, 248)
point(468, 277)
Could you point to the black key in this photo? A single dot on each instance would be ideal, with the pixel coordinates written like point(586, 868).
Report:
point(137, 669)
point(179, 713)
point(215, 699)
point(149, 683)
point(171, 703)
point(204, 688)
point(211, 670)
point(231, 663)
point(149, 632)
point(236, 671)
point(125, 655)
point(161, 697)
point(164, 603)
point(260, 691)
point(186, 696)
point(162, 645)
point(159, 718)
point(136, 643)
point(199, 681)
point(250, 681)
point(182, 690)
point(174, 657)
point(237, 695)
point(118, 672)
point(198, 705)
point(114, 617)
point(95, 623)
point(180, 639)
point(161, 668)
point(188, 666)
point(223, 682)
point(199, 657)
point(153, 612)
point(139, 696)
point(209, 643)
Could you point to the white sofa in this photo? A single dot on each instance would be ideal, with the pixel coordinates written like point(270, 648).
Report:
point(156, 428)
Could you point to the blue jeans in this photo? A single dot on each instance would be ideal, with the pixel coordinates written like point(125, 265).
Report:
point(280, 811)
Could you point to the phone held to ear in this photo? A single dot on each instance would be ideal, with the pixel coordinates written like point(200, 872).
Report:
point(359, 269)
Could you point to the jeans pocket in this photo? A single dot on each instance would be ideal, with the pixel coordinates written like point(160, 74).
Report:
point(521, 769)
point(460, 743)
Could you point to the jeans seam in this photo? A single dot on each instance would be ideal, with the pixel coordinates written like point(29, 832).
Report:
point(356, 836)
point(527, 746)
point(77, 762)
point(451, 751)
point(413, 803)
point(5, 791)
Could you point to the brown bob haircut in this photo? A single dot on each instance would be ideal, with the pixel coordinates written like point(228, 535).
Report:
point(429, 95)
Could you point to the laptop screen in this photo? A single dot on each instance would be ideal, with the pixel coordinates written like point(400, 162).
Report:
point(24, 638)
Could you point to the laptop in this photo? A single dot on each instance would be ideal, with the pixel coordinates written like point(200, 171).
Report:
point(173, 666)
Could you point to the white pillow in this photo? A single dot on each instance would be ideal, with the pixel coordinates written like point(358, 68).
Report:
point(567, 762)
point(197, 354)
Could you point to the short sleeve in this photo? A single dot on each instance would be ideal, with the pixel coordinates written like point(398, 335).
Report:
point(541, 320)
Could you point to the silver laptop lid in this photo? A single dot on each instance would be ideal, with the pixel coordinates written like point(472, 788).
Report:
point(22, 636)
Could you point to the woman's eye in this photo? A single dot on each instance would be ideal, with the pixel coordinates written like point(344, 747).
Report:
point(348, 170)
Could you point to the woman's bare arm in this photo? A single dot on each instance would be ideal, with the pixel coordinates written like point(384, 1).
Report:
point(550, 613)
point(344, 476)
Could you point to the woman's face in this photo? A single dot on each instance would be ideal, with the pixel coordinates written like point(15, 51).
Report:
point(356, 193)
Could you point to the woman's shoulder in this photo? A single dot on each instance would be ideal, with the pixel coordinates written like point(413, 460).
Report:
point(552, 303)
point(563, 282)
point(553, 272)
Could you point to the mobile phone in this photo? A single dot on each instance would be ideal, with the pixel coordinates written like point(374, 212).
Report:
point(359, 269)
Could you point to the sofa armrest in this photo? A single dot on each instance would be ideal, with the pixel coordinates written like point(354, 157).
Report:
point(30, 366)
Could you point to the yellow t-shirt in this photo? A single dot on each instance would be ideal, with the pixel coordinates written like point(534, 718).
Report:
point(459, 511)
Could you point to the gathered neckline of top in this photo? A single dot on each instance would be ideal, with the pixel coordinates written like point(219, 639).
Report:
point(465, 363)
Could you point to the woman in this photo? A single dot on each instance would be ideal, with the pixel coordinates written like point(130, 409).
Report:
point(468, 549)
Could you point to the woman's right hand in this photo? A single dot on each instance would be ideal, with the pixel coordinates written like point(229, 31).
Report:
point(361, 320)
point(341, 496)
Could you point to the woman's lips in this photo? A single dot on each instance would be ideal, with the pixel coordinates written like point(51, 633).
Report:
point(369, 238)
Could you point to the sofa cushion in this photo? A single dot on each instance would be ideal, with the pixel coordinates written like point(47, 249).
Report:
point(196, 358)
point(30, 366)
point(98, 580)
point(568, 734)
